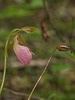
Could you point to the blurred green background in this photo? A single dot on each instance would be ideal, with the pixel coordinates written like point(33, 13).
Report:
point(55, 20)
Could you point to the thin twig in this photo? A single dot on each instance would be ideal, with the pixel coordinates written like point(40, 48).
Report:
point(41, 75)
point(20, 94)
point(48, 16)
point(71, 33)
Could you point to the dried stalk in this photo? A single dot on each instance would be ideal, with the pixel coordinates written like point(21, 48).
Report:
point(41, 75)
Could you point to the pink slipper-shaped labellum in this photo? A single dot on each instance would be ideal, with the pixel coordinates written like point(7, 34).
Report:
point(22, 52)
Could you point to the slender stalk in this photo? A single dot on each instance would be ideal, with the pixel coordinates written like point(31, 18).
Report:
point(4, 68)
point(41, 75)
point(6, 46)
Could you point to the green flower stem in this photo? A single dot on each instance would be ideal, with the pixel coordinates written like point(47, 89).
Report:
point(6, 46)
point(4, 69)
point(13, 32)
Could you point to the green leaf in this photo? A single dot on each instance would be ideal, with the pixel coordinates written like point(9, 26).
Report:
point(29, 29)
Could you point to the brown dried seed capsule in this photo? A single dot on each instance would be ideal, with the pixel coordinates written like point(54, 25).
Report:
point(63, 47)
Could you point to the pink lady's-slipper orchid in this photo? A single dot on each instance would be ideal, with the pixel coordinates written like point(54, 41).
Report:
point(23, 53)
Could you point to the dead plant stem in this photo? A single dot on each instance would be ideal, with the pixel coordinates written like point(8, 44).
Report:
point(41, 75)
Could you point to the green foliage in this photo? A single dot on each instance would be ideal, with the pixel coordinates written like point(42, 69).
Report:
point(12, 11)
point(59, 67)
point(17, 12)
point(59, 96)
